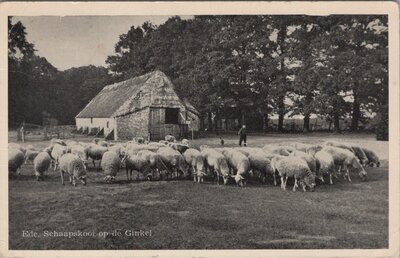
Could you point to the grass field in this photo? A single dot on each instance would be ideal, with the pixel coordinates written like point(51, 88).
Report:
point(186, 215)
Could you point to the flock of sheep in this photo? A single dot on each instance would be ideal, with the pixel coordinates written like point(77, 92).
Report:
point(169, 159)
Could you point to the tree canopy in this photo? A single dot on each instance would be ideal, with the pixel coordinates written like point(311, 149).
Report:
point(253, 67)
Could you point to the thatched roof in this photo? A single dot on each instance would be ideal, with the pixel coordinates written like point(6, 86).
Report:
point(153, 89)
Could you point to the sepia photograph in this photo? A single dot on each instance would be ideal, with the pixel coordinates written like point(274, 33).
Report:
point(208, 131)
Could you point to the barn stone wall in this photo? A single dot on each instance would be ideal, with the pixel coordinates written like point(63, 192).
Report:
point(133, 125)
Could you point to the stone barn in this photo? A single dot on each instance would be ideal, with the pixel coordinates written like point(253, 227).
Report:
point(143, 106)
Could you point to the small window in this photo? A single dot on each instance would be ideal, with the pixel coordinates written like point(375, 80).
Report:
point(171, 115)
point(91, 120)
point(107, 123)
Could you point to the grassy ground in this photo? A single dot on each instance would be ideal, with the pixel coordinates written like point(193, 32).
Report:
point(186, 215)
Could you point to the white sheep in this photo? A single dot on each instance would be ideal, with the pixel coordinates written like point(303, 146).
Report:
point(95, 152)
point(373, 159)
point(15, 160)
point(110, 164)
point(344, 158)
point(57, 152)
point(326, 163)
point(311, 162)
point(79, 150)
point(298, 169)
point(30, 155)
point(41, 164)
point(137, 163)
point(74, 167)
point(196, 161)
point(239, 163)
point(154, 162)
point(185, 141)
point(13, 145)
point(216, 162)
point(174, 160)
point(260, 162)
point(360, 154)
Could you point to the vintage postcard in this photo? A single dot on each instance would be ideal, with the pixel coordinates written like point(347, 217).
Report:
point(199, 129)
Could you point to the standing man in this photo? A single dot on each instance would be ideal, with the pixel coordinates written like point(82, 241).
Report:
point(242, 136)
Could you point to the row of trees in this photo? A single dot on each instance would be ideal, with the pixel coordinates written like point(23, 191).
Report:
point(36, 87)
point(332, 66)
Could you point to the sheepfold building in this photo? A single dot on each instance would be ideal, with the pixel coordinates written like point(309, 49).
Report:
point(143, 106)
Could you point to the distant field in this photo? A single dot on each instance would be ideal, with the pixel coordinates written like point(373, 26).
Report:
point(187, 215)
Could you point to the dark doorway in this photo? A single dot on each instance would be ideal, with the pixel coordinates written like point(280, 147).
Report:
point(171, 115)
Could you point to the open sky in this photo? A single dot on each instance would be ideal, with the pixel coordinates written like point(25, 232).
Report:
point(72, 41)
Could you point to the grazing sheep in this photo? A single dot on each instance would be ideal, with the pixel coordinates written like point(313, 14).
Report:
point(174, 160)
point(298, 169)
point(311, 162)
point(194, 158)
point(170, 138)
point(373, 159)
point(326, 164)
point(95, 152)
point(216, 162)
point(30, 155)
point(80, 151)
point(74, 167)
point(344, 158)
point(15, 160)
point(154, 162)
point(41, 164)
point(13, 145)
point(138, 163)
point(261, 163)
point(239, 163)
point(56, 152)
point(119, 149)
point(110, 164)
point(360, 154)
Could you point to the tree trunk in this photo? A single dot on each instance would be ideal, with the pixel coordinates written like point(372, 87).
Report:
point(306, 123)
point(265, 122)
point(209, 126)
point(336, 122)
point(281, 113)
point(356, 113)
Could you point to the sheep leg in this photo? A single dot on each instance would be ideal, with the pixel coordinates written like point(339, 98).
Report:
point(73, 181)
point(283, 186)
point(94, 164)
point(274, 176)
point(62, 177)
point(127, 176)
point(295, 184)
point(70, 179)
point(347, 173)
point(330, 178)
